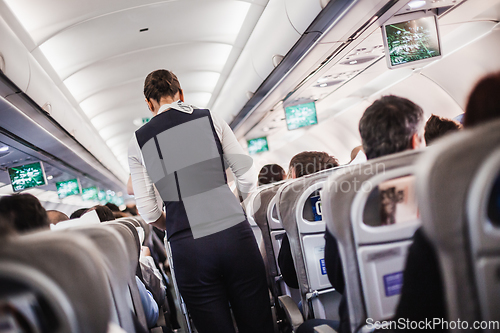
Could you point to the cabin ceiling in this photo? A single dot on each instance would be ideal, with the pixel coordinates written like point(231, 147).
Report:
point(103, 50)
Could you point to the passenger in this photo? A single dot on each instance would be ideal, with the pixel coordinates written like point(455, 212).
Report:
point(271, 173)
point(104, 213)
point(357, 156)
point(390, 125)
point(131, 209)
point(23, 212)
point(422, 295)
point(56, 216)
point(117, 213)
point(148, 303)
point(436, 127)
point(78, 213)
point(217, 260)
point(484, 101)
point(302, 164)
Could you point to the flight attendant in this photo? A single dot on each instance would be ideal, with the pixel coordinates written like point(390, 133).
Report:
point(177, 161)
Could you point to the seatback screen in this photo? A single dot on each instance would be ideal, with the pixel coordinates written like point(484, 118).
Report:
point(27, 176)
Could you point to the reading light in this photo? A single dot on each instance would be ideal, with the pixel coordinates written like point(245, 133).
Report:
point(323, 85)
point(353, 62)
point(4, 148)
point(50, 177)
point(416, 3)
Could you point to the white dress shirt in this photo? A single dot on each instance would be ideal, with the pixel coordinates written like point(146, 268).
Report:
point(148, 200)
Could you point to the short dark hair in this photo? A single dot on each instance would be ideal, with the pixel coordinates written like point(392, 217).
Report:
point(309, 162)
point(484, 101)
point(436, 127)
point(271, 173)
point(23, 212)
point(388, 125)
point(78, 213)
point(104, 213)
point(161, 83)
point(112, 206)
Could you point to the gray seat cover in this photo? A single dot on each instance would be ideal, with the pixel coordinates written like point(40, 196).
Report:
point(338, 214)
point(446, 174)
point(74, 264)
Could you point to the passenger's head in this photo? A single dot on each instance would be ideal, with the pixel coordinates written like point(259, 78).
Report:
point(161, 84)
point(23, 212)
point(484, 101)
point(113, 207)
point(309, 162)
point(436, 127)
point(390, 125)
point(56, 216)
point(78, 213)
point(355, 151)
point(271, 173)
point(104, 213)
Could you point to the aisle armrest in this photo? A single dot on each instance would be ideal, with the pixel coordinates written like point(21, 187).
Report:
point(292, 312)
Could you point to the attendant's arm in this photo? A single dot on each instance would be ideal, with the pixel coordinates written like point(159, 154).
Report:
point(148, 200)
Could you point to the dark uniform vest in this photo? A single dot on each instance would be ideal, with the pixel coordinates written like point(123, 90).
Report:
point(184, 158)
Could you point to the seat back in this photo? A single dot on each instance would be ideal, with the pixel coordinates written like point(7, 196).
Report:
point(370, 209)
point(299, 210)
point(257, 212)
point(64, 270)
point(458, 187)
point(113, 249)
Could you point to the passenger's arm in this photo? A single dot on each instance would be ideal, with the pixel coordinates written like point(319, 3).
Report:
point(148, 200)
point(238, 160)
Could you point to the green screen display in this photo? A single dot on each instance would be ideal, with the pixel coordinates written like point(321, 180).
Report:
point(27, 176)
point(67, 188)
point(257, 145)
point(412, 40)
point(90, 193)
point(301, 115)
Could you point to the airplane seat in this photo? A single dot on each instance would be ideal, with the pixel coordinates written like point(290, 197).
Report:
point(56, 280)
point(458, 185)
point(130, 239)
point(371, 210)
point(299, 209)
point(120, 267)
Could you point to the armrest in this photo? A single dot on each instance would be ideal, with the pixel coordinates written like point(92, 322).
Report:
point(292, 312)
point(324, 329)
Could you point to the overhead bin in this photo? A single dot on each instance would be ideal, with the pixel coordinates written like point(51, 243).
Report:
point(15, 58)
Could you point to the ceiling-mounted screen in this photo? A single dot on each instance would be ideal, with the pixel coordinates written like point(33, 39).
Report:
point(301, 115)
point(27, 176)
point(257, 145)
point(67, 188)
point(90, 193)
point(411, 39)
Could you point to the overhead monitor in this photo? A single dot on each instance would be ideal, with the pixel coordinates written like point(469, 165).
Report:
point(257, 145)
point(301, 115)
point(67, 188)
point(27, 176)
point(90, 193)
point(411, 39)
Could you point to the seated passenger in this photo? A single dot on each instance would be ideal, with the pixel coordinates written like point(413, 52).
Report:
point(23, 212)
point(78, 213)
point(117, 213)
point(436, 127)
point(422, 295)
point(271, 173)
point(390, 125)
point(56, 216)
point(104, 213)
point(302, 164)
point(148, 303)
point(357, 155)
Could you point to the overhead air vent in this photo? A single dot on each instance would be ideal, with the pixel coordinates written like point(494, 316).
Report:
point(358, 61)
point(328, 84)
